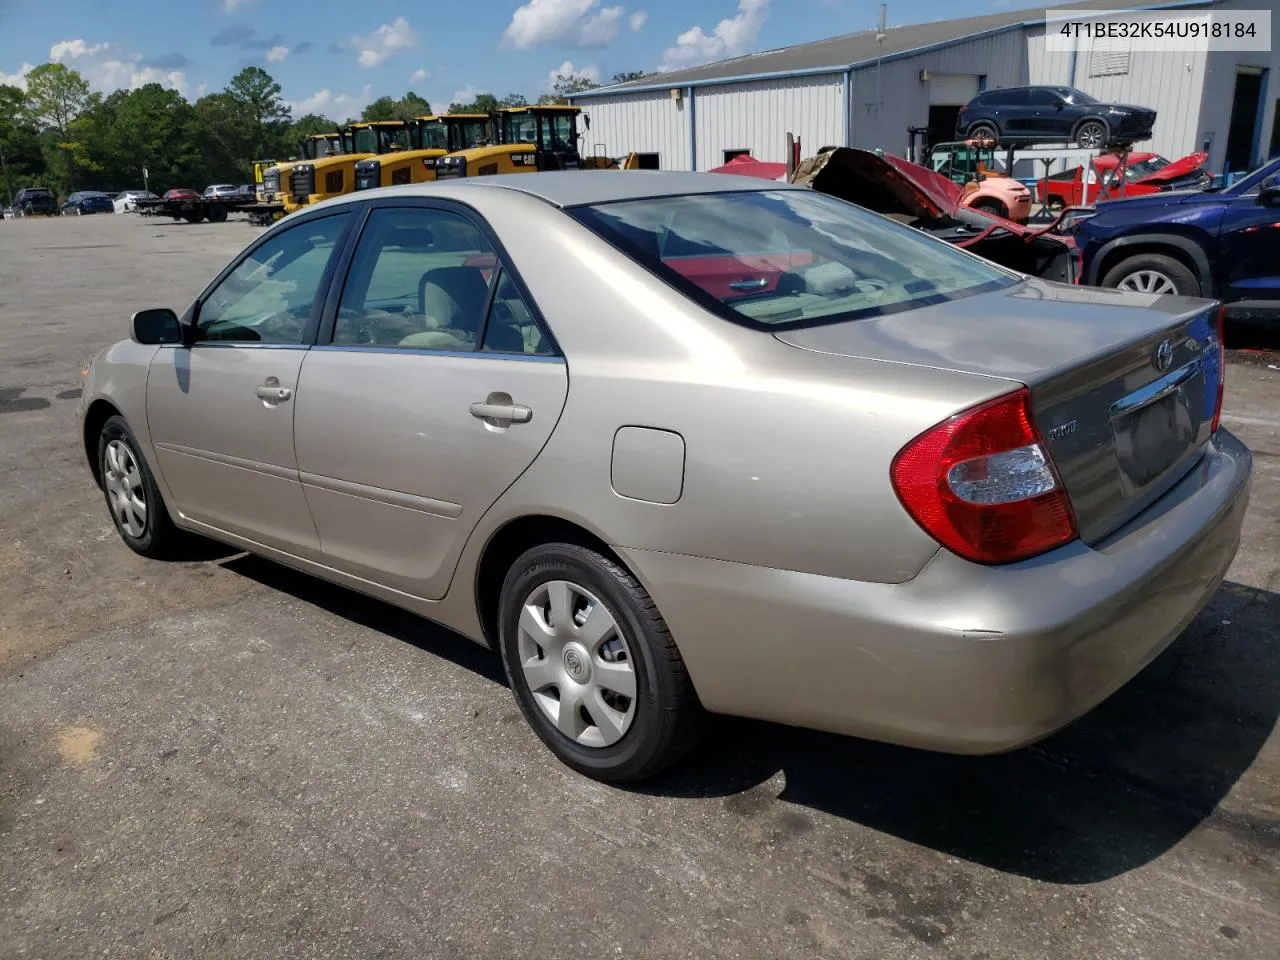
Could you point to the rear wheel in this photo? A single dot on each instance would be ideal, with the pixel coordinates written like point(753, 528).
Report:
point(217, 213)
point(593, 665)
point(1091, 135)
point(1153, 273)
point(1056, 205)
point(984, 133)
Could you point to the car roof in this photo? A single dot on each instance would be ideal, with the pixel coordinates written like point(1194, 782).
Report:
point(569, 188)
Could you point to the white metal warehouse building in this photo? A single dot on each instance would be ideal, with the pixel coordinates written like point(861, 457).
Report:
point(866, 90)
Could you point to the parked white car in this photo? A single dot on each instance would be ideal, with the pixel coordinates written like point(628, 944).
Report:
point(222, 191)
point(127, 201)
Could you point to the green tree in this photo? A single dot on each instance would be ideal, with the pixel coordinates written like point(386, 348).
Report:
point(483, 103)
point(628, 75)
point(513, 100)
point(56, 95)
point(21, 162)
point(302, 128)
point(406, 108)
point(565, 86)
point(265, 117)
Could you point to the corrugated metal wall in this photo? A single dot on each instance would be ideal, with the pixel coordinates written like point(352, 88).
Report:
point(1220, 87)
point(904, 97)
point(758, 116)
point(1168, 81)
point(643, 122)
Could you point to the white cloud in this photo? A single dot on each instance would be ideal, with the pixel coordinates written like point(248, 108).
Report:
point(731, 37)
point(388, 40)
point(277, 54)
point(566, 69)
point(466, 94)
point(572, 23)
point(637, 21)
point(109, 66)
point(337, 107)
point(65, 49)
point(418, 75)
point(202, 89)
point(18, 79)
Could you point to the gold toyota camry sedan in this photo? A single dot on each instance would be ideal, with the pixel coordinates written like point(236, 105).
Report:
point(685, 443)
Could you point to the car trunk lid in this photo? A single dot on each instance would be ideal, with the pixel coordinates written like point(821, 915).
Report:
point(1123, 386)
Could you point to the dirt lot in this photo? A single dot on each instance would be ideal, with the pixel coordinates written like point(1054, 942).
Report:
point(223, 759)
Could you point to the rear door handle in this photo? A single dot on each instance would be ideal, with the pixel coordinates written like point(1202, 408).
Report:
point(501, 414)
point(749, 284)
point(272, 393)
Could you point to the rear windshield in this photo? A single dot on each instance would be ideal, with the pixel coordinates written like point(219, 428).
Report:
point(37, 192)
point(789, 258)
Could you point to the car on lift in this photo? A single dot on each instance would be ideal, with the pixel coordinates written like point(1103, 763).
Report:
point(1214, 243)
point(1052, 115)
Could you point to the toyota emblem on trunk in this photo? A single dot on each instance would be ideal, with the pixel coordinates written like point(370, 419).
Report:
point(1164, 355)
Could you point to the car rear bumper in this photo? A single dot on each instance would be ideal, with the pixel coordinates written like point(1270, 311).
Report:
point(963, 658)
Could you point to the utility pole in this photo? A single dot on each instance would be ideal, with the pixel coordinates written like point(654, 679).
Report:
point(4, 167)
point(879, 53)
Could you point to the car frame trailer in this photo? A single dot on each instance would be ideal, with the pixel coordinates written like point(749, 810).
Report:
point(213, 209)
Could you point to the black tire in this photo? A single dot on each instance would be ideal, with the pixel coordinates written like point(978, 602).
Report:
point(159, 538)
point(1183, 279)
point(217, 214)
point(988, 205)
point(982, 130)
point(1091, 135)
point(1055, 204)
point(668, 719)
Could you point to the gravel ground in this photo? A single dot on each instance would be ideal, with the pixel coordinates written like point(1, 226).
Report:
point(221, 758)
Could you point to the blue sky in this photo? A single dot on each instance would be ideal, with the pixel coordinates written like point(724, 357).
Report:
point(334, 56)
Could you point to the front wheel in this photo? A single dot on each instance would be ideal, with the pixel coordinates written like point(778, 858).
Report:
point(593, 666)
point(132, 496)
point(1153, 274)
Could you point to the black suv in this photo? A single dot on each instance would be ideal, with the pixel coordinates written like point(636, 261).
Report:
point(1052, 115)
point(31, 201)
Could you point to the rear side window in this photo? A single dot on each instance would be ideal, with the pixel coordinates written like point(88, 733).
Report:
point(1012, 98)
point(788, 258)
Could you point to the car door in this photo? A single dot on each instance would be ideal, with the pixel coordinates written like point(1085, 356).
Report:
point(436, 386)
point(1044, 115)
point(1012, 113)
point(1249, 263)
point(220, 409)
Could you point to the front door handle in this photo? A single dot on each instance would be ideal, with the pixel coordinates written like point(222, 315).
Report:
point(756, 284)
point(499, 413)
point(272, 393)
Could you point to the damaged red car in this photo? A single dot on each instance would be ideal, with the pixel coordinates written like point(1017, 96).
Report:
point(928, 201)
point(1143, 173)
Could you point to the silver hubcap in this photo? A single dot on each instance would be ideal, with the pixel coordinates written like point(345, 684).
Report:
point(124, 488)
point(1147, 281)
point(577, 663)
point(1091, 136)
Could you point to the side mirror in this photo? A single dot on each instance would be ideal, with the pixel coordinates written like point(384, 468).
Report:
point(586, 119)
point(1269, 191)
point(152, 327)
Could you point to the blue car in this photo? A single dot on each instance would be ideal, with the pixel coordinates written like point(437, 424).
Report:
point(1215, 243)
point(88, 201)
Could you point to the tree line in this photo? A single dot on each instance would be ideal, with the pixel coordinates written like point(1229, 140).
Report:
point(58, 133)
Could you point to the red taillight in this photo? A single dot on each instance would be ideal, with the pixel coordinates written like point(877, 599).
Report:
point(982, 484)
point(1222, 367)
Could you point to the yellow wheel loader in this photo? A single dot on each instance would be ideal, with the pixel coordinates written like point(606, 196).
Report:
point(430, 137)
point(529, 139)
point(270, 176)
point(311, 181)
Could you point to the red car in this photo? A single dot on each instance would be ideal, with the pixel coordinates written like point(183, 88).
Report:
point(181, 193)
point(928, 201)
point(1144, 173)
